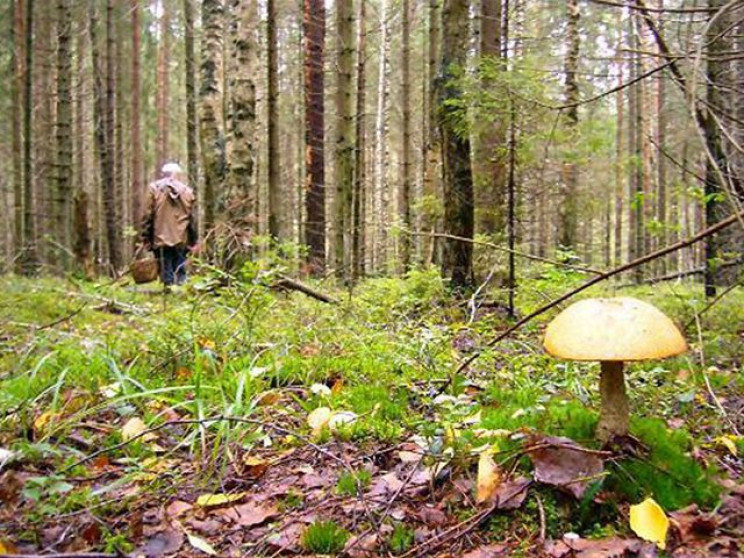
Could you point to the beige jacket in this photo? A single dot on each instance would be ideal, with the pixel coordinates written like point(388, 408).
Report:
point(169, 219)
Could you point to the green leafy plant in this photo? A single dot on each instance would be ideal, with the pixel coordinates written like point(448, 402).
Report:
point(350, 483)
point(401, 540)
point(325, 537)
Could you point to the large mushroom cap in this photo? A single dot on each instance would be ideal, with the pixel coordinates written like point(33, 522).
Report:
point(613, 329)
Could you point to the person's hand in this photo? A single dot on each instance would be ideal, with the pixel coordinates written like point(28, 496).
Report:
point(195, 249)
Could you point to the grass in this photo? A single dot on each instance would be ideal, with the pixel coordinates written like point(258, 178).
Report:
point(325, 537)
point(73, 353)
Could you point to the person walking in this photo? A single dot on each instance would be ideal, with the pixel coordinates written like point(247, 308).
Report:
point(168, 227)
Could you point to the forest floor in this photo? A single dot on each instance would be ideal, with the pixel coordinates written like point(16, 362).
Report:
point(227, 418)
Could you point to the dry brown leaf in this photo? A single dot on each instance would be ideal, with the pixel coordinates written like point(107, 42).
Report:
point(134, 428)
point(489, 477)
point(563, 463)
point(177, 508)
point(250, 514)
point(162, 544)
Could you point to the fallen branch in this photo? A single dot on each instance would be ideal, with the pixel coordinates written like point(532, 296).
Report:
point(593, 281)
point(289, 284)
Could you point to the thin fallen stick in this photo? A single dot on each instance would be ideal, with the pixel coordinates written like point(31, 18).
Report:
point(593, 281)
point(288, 283)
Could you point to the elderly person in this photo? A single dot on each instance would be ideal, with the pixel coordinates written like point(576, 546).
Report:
point(168, 227)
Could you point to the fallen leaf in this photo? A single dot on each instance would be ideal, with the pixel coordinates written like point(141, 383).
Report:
point(649, 522)
point(510, 495)
point(255, 466)
point(43, 420)
point(250, 514)
point(177, 508)
point(318, 419)
point(134, 428)
point(7, 548)
point(409, 456)
point(162, 544)
point(320, 389)
point(489, 477)
point(489, 551)
point(268, 398)
point(6, 456)
point(563, 463)
point(201, 544)
point(214, 500)
point(729, 444)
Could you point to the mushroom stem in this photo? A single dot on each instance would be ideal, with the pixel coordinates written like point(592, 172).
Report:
point(614, 416)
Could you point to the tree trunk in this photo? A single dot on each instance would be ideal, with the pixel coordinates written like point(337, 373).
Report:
point(243, 202)
point(64, 125)
point(210, 94)
point(620, 123)
point(109, 185)
point(489, 166)
point(457, 172)
point(404, 199)
point(568, 217)
point(17, 84)
point(432, 142)
point(381, 181)
point(81, 220)
point(163, 86)
point(192, 119)
point(360, 160)
point(136, 142)
point(277, 218)
point(314, 33)
point(30, 258)
point(344, 152)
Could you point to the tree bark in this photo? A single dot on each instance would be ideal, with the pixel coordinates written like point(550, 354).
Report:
point(404, 198)
point(568, 217)
point(17, 84)
point(432, 188)
point(344, 146)
point(381, 181)
point(192, 118)
point(30, 257)
point(210, 94)
point(277, 217)
point(64, 126)
point(457, 265)
point(136, 142)
point(163, 86)
point(314, 33)
point(243, 201)
point(360, 161)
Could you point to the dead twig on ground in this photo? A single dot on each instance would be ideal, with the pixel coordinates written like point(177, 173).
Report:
point(288, 284)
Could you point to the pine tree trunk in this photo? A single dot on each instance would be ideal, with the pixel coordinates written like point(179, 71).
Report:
point(432, 188)
point(344, 146)
point(163, 85)
point(568, 217)
point(489, 165)
point(210, 94)
point(277, 217)
point(381, 182)
point(136, 143)
point(192, 119)
point(404, 200)
point(17, 38)
point(242, 205)
point(315, 224)
point(64, 126)
point(81, 221)
point(30, 257)
point(619, 148)
point(360, 160)
point(109, 185)
point(121, 99)
point(457, 172)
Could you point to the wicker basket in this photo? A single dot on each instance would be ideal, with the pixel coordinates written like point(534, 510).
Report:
point(144, 270)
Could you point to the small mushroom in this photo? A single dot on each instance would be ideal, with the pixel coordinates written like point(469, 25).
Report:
point(612, 331)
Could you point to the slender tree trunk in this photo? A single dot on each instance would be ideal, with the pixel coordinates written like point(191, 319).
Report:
point(404, 200)
point(568, 217)
point(192, 118)
point(344, 152)
point(30, 257)
point(243, 205)
point(210, 94)
point(457, 172)
point(381, 181)
point(277, 218)
point(163, 87)
point(137, 173)
point(619, 147)
point(315, 225)
point(17, 84)
point(122, 96)
point(638, 202)
point(64, 125)
point(489, 165)
point(360, 160)
point(432, 149)
point(81, 220)
point(109, 185)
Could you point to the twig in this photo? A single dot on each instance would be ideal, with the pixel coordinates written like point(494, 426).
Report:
point(541, 510)
point(288, 283)
point(593, 281)
point(66, 555)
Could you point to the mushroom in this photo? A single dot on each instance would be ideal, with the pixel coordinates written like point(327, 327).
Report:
point(612, 331)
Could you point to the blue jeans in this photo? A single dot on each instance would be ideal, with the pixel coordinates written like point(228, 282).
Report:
point(172, 264)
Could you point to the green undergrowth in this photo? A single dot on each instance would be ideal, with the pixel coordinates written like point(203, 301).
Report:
point(72, 352)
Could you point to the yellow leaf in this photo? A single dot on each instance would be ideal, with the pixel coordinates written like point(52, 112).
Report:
point(728, 443)
point(649, 522)
point(489, 477)
point(201, 544)
point(7, 548)
point(43, 420)
point(134, 428)
point(214, 500)
point(318, 419)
